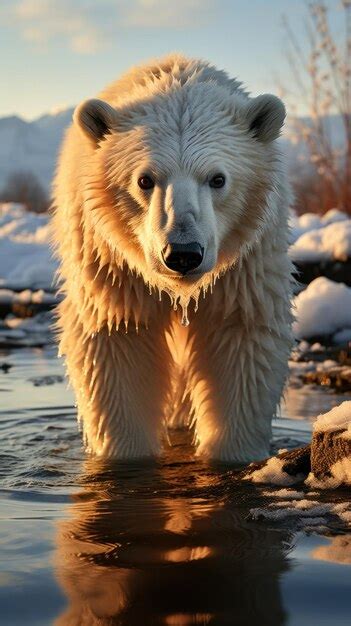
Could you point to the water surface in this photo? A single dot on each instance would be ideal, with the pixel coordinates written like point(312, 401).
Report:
point(86, 543)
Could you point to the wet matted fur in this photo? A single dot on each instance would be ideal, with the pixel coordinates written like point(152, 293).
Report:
point(146, 348)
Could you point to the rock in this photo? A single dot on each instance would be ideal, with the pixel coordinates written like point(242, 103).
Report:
point(326, 463)
point(5, 367)
point(24, 309)
point(338, 378)
point(331, 448)
point(297, 462)
point(327, 449)
point(286, 468)
point(338, 271)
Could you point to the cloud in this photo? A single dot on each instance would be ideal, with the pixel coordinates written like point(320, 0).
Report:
point(164, 14)
point(88, 26)
point(42, 21)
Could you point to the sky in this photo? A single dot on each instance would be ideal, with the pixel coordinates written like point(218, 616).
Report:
point(56, 53)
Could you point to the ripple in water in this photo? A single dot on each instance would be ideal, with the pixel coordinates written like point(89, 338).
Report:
point(85, 542)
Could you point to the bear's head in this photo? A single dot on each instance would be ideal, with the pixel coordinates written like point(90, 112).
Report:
point(188, 169)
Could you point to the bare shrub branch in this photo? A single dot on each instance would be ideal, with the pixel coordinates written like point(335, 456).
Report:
point(323, 80)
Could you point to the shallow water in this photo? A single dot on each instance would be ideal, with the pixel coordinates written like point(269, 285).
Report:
point(91, 543)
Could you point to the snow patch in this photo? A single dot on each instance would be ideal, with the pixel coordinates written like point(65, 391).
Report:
point(272, 473)
point(288, 494)
point(7, 296)
point(340, 474)
point(301, 367)
point(336, 419)
point(323, 308)
point(306, 513)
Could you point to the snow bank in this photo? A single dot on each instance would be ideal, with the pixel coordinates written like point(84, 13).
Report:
point(299, 368)
point(332, 242)
point(310, 221)
point(323, 308)
point(7, 296)
point(25, 256)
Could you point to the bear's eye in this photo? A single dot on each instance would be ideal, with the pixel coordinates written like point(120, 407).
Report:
point(217, 181)
point(146, 182)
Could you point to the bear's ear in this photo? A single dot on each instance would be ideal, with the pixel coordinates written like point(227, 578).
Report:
point(265, 116)
point(95, 119)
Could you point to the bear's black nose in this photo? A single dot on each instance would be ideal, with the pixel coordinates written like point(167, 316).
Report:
point(183, 257)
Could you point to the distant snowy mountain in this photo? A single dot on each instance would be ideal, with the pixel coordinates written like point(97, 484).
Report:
point(34, 145)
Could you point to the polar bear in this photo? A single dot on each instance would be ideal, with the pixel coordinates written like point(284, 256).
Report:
point(171, 207)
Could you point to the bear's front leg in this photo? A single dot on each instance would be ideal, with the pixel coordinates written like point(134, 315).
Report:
point(121, 383)
point(237, 379)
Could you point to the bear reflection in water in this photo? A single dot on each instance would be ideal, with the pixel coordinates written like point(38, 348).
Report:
point(168, 543)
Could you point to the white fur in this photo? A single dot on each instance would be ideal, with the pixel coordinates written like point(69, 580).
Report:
point(180, 121)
